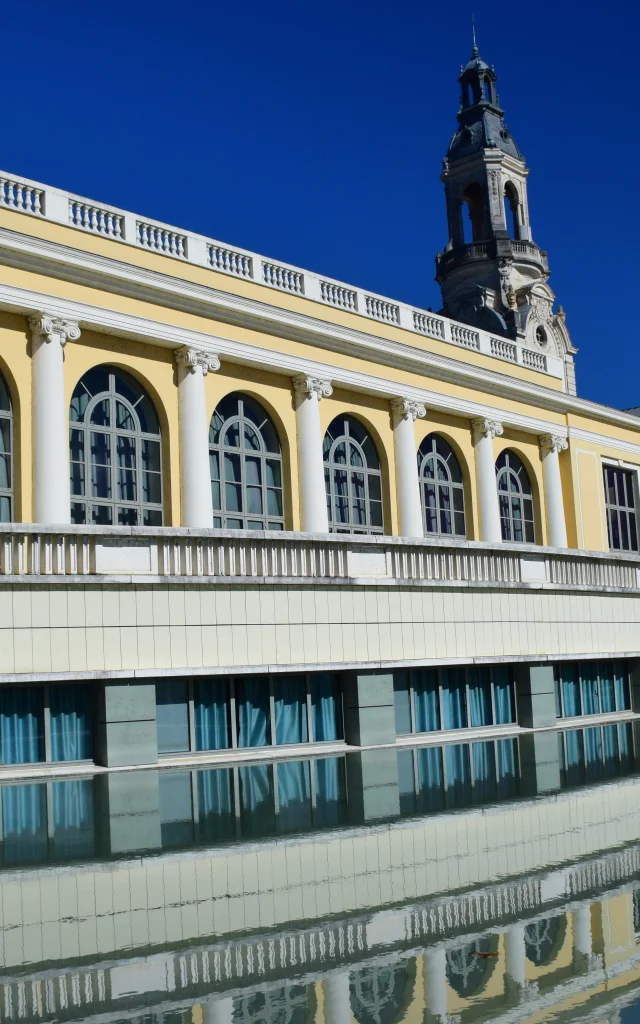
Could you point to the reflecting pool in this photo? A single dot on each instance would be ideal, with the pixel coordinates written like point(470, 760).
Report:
point(489, 881)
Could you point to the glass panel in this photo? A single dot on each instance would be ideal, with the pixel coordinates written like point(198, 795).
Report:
point(172, 716)
point(426, 699)
point(454, 698)
point(290, 700)
point(326, 707)
point(152, 517)
point(257, 808)
point(331, 791)
point(570, 690)
point(589, 673)
point(252, 701)
point(231, 438)
point(101, 413)
point(127, 516)
point(5, 401)
point(217, 820)
point(430, 780)
point(507, 774)
point(622, 686)
point(484, 772)
point(251, 439)
point(5, 509)
point(294, 796)
point(401, 700)
point(480, 712)
point(607, 688)
point(458, 773)
point(124, 418)
point(71, 723)
point(21, 724)
point(211, 714)
point(24, 823)
point(73, 821)
point(503, 694)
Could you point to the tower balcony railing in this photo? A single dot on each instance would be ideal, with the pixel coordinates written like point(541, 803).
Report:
point(491, 249)
point(41, 202)
point(31, 552)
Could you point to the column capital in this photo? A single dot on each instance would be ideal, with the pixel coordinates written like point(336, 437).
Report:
point(552, 443)
point(304, 386)
point(53, 328)
point(193, 358)
point(406, 408)
point(486, 428)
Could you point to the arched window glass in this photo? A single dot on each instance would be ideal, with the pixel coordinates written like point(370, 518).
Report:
point(382, 993)
point(6, 454)
point(515, 498)
point(352, 478)
point(544, 938)
point(441, 488)
point(511, 216)
point(116, 459)
point(246, 466)
point(469, 967)
point(541, 336)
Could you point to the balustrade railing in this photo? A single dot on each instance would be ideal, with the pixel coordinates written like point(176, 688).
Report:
point(504, 349)
point(32, 551)
point(119, 225)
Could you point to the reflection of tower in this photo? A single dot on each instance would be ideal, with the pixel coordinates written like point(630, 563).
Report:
point(492, 274)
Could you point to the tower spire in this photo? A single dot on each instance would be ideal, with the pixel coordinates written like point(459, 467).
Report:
point(474, 52)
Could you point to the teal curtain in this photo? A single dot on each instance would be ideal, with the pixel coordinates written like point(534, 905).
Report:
point(294, 796)
point(21, 724)
point(430, 779)
point(625, 746)
point(607, 686)
point(574, 757)
point(480, 711)
point(589, 673)
point(426, 697)
point(406, 782)
point(326, 707)
point(172, 716)
point(252, 701)
point(503, 694)
point(331, 791)
point(610, 750)
point(507, 776)
point(458, 773)
point(571, 690)
point(24, 823)
point(484, 772)
point(621, 685)
point(71, 723)
point(290, 697)
point(257, 807)
point(211, 714)
point(593, 754)
point(216, 812)
point(73, 820)
point(454, 698)
point(401, 698)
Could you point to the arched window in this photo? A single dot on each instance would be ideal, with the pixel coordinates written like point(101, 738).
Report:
point(515, 498)
point(246, 466)
point(486, 89)
point(511, 210)
point(116, 466)
point(469, 967)
point(544, 939)
point(6, 454)
point(352, 478)
point(441, 488)
point(473, 199)
point(382, 993)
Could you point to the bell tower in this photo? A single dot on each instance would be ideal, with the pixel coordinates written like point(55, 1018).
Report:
point(492, 274)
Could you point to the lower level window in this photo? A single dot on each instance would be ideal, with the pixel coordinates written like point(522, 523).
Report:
point(590, 755)
point(43, 821)
point(45, 723)
point(248, 711)
point(427, 700)
point(435, 778)
point(591, 688)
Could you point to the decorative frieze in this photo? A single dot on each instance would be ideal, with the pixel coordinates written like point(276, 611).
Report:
point(193, 358)
point(53, 328)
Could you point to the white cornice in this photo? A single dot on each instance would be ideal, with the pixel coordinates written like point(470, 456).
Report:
point(602, 441)
point(66, 263)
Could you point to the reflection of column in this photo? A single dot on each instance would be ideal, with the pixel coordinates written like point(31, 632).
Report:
point(550, 446)
point(515, 954)
point(337, 999)
point(584, 959)
point(484, 432)
point(217, 1011)
point(313, 498)
point(51, 497)
point(404, 412)
point(195, 475)
point(435, 984)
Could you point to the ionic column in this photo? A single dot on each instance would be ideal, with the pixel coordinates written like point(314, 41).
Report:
point(51, 490)
point(435, 985)
point(550, 446)
point(484, 432)
point(217, 1011)
point(307, 392)
point(404, 412)
point(337, 1000)
point(515, 956)
point(193, 365)
point(582, 938)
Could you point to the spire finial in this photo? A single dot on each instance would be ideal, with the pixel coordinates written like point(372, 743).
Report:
point(474, 52)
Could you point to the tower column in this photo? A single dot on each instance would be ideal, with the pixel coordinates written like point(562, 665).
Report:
point(308, 391)
point(51, 489)
point(550, 447)
point(193, 366)
point(404, 412)
point(484, 432)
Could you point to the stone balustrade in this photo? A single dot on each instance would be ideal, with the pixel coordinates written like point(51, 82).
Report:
point(31, 550)
point(36, 199)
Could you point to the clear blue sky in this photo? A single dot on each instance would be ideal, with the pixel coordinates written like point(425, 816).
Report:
point(315, 134)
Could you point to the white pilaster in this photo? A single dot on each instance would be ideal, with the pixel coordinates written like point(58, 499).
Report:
point(337, 1001)
point(550, 447)
point(218, 1011)
point(404, 412)
point(435, 984)
point(308, 391)
point(484, 432)
point(51, 491)
point(193, 365)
